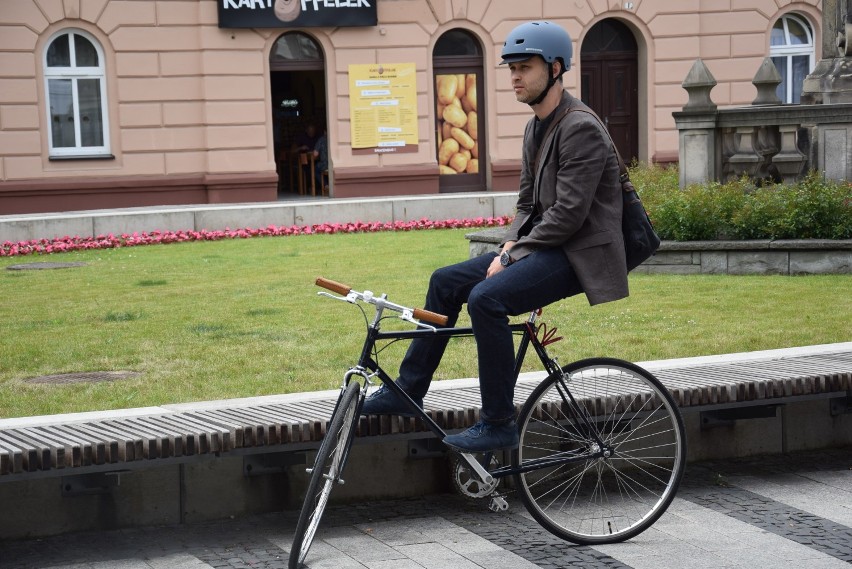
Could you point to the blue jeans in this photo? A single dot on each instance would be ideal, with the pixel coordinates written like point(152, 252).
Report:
point(535, 281)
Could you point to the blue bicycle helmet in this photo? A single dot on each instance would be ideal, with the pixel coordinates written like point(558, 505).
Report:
point(545, 39)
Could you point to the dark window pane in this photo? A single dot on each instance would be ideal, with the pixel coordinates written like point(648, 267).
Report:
point(59, 54)
point(61, 113)
point(607, 36)
point(456, 42)
point(91, 116)
point(295, 46)
point(86, 54)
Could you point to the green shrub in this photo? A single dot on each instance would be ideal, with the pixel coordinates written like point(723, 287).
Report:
point(814, 208)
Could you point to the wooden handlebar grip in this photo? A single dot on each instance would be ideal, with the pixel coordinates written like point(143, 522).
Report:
point(333, 286)
point(432, 317)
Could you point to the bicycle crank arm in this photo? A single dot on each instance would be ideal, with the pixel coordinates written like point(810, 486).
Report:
point(481, 473)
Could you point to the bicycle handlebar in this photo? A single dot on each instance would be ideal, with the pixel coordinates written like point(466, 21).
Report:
point(333, 286)
point(346, 290)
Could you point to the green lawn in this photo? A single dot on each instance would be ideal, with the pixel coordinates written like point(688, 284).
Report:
point(213, 320)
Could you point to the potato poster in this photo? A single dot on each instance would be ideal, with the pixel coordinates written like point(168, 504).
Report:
point(457, 122)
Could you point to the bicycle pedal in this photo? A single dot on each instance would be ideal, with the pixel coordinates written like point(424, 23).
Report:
point(498, 504)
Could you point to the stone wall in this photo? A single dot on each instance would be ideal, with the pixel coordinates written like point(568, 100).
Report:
point(758, 257)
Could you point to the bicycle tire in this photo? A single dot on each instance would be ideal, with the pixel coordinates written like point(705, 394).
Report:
point(328, 466)
point(598, 499)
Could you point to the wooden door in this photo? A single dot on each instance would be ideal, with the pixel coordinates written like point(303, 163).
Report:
point(609, 83)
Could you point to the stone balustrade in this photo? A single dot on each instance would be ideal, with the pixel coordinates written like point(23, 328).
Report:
point(765, 141)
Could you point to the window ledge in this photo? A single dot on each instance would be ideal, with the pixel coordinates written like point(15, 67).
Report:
point(82, 157)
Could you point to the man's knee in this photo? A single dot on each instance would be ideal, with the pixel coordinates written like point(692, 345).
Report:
point(480, 301)
point(440, 279)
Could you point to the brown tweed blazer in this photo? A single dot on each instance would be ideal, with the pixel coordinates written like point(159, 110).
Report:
point(578, 193)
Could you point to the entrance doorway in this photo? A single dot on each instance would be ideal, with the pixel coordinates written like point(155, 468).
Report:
point(299, 117)
point(609, 82)
point(459, 104)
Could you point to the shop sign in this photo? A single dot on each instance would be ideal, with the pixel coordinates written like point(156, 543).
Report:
point(296, 13)
point(383, 105)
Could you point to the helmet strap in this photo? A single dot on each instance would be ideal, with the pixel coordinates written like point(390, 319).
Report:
point(550, 83)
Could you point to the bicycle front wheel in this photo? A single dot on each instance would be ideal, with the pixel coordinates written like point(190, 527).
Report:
point(328, 466)
point(602, 451)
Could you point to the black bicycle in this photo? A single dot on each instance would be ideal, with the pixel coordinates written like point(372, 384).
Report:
point(602, 443)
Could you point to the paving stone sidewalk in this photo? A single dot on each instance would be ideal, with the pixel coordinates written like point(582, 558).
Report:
point(777, 511)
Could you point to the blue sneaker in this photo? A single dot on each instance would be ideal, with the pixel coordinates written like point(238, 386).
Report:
point(385, 402)
point(483, 437)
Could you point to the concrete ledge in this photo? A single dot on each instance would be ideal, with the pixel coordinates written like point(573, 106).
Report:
point(17, 228)
point(757, 257)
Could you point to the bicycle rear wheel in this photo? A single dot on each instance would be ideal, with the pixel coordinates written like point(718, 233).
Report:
point(605, 460)
point(328, 466)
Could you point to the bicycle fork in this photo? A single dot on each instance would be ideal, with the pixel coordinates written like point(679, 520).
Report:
point(347, 445)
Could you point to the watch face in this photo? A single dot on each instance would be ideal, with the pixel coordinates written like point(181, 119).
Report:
point(505, 259)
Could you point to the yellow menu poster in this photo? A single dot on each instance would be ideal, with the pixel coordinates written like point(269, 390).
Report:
point(383, 105)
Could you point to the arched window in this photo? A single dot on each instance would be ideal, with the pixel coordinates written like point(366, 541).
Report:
point(791, 47)
point(295, 46)
point(75, 84)
point(298, 75)
point(457, 43)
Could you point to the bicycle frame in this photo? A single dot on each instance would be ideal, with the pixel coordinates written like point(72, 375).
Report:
point(368, 368)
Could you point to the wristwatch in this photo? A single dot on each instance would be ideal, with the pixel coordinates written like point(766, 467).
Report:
point(506, 259)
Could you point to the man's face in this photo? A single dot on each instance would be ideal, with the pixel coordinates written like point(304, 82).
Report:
point(529, 78)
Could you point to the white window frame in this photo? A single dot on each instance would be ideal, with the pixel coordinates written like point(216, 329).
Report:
point(789, 50)
point(75, 73)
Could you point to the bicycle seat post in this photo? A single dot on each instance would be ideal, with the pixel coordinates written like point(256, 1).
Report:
point(534, 316)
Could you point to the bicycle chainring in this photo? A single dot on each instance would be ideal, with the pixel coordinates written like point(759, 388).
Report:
point(467, 484)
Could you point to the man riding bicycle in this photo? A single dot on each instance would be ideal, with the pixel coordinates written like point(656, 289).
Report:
point(565, 239)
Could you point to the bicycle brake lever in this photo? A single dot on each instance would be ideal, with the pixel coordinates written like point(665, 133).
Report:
point(350, 298)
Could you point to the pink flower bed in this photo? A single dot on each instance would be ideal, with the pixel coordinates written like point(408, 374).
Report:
point(77, 243)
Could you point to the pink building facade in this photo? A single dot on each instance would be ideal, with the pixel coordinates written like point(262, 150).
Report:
point(120, 103)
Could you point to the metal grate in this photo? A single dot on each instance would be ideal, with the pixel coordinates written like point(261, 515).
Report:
point(43, 265)
point(83, 377)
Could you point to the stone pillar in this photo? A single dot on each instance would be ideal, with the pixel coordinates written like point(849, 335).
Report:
point(831, 83)
point(766, 81)
point(790, 162)
point(831, 80)
point(696, 125)
point(745, 160)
